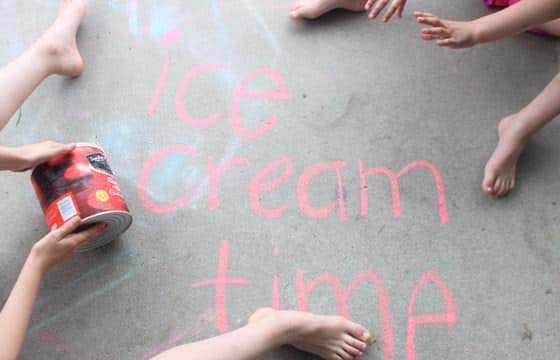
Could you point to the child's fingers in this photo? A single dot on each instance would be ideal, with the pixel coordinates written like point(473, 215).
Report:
point(428, 37)
point(380, 4)
point(67, 228)
point(369, 4)
point(64, 149)
point(438, 32)
point(446, 42)
point(423, 14)
point(400, 10)
point(86, 235)
point(432, 21)
point(67, 148)
point(54, 149)
point(390, 12)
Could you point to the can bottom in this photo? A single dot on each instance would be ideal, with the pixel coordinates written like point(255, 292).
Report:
point(117, 223)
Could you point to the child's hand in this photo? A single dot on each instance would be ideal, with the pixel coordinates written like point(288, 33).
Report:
point(27, 157)
point(61, 243)
point(453, 34)
point(396, 5)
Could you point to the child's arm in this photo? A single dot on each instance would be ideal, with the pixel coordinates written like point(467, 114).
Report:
point(51, 249)
point(510, 21)
point(26, 157)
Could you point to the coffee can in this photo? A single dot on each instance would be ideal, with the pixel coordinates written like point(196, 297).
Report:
point(82, 184)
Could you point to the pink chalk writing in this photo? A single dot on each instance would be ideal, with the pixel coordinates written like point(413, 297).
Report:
point(342, 296)
point(170, 37)
point(181, 93)
point(143, 182)
point(449, 318)
point(280, 94)
point(161, 82)
point(220, 282)
point(256, 186)
point(395, 186)
point(275, 285)
point(213, 178)
point(303, 184)
point(275, 293)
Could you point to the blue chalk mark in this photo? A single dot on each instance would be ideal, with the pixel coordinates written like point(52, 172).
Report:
point(230, 78)
point(90, 297)
point(83, 276)
point(176, 170)
point(224, 37)
point(86, 299)
point(171, 168)
point(231, 148)
point(116, 5)
point(202, 189)
point(269, 34)
point(118, 139)
point(162, 20)
point(133, 17)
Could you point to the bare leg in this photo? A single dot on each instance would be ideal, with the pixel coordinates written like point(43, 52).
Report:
point(55, 52)
point(552, 27)
point(330, 337)
point(312, 9)
point(514, 132)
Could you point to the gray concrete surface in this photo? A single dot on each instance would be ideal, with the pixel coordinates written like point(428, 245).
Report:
point(358, 91)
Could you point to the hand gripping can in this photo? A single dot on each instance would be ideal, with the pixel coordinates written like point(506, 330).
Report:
point(82, 184)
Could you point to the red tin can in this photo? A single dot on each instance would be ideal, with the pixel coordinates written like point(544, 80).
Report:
point(82, 184)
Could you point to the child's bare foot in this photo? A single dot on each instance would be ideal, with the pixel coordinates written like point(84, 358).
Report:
point(59, 41)
point(312, 9)
point(330, 337)
point(499, 173)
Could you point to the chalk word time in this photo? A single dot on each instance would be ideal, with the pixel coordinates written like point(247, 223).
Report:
point(449, 317)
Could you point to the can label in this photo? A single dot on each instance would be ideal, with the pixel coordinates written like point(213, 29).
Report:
point(98, 162)
point(80, 183)
point(61, 210)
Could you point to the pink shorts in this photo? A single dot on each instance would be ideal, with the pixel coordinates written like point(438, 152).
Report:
point(505, 3)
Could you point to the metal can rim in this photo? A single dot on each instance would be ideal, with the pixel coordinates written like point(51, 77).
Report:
point(86, 144)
